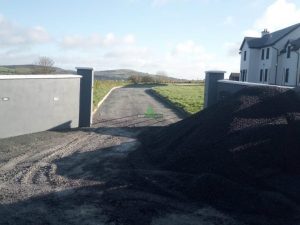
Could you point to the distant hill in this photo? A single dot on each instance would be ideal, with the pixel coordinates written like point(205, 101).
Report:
point(124, 74)
point(121, 74)
point(29, 69)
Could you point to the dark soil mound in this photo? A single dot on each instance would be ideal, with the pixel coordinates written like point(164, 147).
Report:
point(242, 153)
point(255, 132)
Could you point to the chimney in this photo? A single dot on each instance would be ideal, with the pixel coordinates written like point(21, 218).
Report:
point(265, 32)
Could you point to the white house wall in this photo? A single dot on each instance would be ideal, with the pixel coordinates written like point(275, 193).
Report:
point(291, 64)
point(269, 64)
point(245, 64)
point(285, 62)
point(276, 67)
point(253, 66)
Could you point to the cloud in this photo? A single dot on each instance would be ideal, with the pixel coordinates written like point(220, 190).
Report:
point(95, 41)
point(232, 48)
point(186, 59)
point(229, 20)
point(12, 34)
point(157, 3)
point(279, 14)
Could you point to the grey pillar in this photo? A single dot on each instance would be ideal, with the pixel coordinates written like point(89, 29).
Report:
point(211, 87)
point(86, 96)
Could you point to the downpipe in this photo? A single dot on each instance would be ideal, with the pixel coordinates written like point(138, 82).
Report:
point(277, 56)
point(297, 74)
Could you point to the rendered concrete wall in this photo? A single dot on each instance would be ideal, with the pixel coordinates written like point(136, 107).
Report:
point(222, 89)
point(36, 103)
point(211, 87)
point(227, 88)
point(86, 96)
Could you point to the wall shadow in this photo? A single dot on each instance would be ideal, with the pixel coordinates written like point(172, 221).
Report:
point(62, 127)
point(113, 191)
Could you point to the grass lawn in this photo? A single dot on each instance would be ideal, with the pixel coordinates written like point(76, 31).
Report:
point(4, 70)
point(19, 70)
point(188, 97)
point(102, 87)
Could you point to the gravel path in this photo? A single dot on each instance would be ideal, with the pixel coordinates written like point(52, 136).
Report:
point(55, 177)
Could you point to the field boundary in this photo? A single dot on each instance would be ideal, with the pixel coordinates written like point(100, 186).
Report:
point(103, 99)
point(164, 99)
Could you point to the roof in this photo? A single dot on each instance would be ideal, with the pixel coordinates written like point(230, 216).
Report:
point(269, 39)
point(296, 44)
point(39, 76)
point(234, 76)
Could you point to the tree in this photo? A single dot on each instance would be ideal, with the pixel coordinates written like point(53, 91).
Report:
point(45, 65)
point(135, 79)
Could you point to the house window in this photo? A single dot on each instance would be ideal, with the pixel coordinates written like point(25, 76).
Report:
point(286, 77)
point(268, 53)
point(262, 54)
point(266, 75)
point(289, 52)
point(245, 55)
point(261, 75)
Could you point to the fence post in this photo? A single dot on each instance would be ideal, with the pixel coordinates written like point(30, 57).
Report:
point(211, 87)
point(86, 96)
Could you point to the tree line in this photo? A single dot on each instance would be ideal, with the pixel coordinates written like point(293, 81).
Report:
point(154, 79)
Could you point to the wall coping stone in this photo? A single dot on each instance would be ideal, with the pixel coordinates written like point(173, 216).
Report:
point(39, 76)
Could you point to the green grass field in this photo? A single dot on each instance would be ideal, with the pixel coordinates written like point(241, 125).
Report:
point(188, 97)
point(101, 88)
point(19, 70)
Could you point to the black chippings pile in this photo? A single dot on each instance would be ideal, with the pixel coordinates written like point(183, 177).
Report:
point(241, 155)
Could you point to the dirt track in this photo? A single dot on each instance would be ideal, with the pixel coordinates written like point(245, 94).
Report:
point(61, 177)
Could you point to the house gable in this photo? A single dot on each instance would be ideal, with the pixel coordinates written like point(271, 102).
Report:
point(269, 39)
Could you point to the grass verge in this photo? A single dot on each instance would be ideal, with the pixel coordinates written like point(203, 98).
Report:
point(188, 97)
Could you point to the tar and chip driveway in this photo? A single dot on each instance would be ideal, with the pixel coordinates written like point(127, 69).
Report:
point(43, 176)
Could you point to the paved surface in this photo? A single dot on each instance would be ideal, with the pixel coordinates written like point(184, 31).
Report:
point(127, 107)
point(56, 177)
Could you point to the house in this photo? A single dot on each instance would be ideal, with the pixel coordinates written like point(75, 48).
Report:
point(234, 76)
point(272, 58)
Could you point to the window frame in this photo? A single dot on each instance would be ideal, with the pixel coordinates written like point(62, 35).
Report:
point(286, 75)
point(268, 53)
point(261, 75)
point(266, 75)
point(263, 54)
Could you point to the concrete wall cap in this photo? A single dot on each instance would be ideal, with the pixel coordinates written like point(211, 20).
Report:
point(39, 76)
point(252, 84)
point(215, 71)
point(84, 68)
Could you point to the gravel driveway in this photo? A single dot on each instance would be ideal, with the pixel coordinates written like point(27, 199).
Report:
point(61, 177)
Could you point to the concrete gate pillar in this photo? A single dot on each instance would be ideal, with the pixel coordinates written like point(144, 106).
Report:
point(86, 96)
point(211, 87)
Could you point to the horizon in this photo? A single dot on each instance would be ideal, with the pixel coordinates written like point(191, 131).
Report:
point(183, 38)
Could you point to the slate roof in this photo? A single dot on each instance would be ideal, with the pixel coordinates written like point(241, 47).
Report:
point(269, 39)
point(296, 44)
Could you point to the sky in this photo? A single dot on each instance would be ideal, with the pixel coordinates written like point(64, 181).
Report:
point(180, 38)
